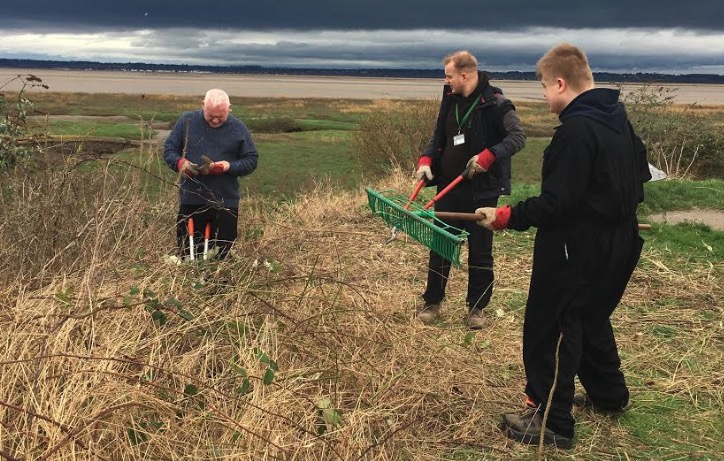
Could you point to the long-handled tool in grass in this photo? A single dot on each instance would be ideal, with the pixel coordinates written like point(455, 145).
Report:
point(207, 234)
point(190, 224)
point(459, 216)
point(424, 225)
point(421, 225)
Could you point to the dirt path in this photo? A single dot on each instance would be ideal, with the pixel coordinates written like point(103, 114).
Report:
point(711, 218)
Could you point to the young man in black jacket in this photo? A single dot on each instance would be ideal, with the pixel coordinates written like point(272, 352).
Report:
point(477, 127)
point(586, 247)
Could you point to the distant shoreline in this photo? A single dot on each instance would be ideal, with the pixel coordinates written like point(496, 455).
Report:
point(529, 75)
point(300, 86)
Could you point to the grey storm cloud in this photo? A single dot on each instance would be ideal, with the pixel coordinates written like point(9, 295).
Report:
point(619, 35)
point(364, 14)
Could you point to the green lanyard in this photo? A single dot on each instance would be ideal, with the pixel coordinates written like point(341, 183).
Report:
point(467, 114)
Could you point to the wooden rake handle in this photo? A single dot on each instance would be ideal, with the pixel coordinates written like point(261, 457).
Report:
point(455, 216)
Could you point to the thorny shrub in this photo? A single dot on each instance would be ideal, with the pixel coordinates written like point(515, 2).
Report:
point(67, 215)
point(16, 141)
point(680, 142)
point(394, 138)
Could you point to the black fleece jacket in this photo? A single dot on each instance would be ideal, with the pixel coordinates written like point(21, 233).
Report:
point(493, 125)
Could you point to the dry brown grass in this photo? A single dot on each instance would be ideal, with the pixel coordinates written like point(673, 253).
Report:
point(83, 364)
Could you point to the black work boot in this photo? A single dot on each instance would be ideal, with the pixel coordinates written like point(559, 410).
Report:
point(525, 427)
point(429, 313)
point(475, 320)
point(584, 401)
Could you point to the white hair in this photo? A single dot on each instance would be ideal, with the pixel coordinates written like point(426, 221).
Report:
point(216, 98)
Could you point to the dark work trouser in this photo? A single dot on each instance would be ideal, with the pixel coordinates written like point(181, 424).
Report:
point(588, 347)
point(480, 252)
point(223, 228)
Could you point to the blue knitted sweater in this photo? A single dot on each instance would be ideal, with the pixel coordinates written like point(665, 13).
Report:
point(191, 138)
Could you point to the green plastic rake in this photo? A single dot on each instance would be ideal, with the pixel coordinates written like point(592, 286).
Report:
point(422, 225)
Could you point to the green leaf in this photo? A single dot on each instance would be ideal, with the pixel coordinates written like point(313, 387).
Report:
point(190, 390)
point(268, 376)
point(127, 301)
point(186, 315)
point(136, 437)
point(172, 302)
point(134, 291)
point(263, 358)
point(63, 298)
point(469, 339)
point(331, 418)
point(239, 370)
point(245, 386)
point(149, 293)
point(237, 329)
point(159, 317)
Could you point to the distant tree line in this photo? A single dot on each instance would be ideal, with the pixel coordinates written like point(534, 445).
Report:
point(641, 77)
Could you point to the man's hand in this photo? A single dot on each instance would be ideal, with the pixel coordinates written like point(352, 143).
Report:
point(423, 168)
point(205, 167)
point(480, 163)
point(187, 168)
point(211, 167)
point(494, 219)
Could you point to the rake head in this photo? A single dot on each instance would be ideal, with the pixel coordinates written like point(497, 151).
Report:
point(420, 224)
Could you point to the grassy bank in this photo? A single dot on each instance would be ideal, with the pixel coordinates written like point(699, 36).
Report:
point(304, 346)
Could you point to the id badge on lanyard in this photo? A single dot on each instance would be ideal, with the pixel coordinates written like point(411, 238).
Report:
point(459, 139)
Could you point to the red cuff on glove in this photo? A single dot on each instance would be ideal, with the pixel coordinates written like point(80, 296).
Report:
point(502, 215)
point(180, 164)
point(485, 159)
point(424, 160)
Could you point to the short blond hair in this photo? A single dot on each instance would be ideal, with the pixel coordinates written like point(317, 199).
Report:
point(463, 60)
point(568, 62)
point(216, 98)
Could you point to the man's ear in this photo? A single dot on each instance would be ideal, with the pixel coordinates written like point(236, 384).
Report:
point(561, 85)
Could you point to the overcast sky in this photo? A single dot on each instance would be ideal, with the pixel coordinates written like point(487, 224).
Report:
point(619, 35)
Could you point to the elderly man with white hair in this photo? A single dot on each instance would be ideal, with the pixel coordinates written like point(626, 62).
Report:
point(210, 149)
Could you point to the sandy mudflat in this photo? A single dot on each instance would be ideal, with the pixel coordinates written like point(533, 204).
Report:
point(292, 86)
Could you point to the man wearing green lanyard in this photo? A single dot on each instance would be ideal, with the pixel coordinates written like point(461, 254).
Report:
point(477, 127)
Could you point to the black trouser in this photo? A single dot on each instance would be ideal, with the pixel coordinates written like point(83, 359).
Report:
point(480, 251)
point(581, 314)
point(223, 222)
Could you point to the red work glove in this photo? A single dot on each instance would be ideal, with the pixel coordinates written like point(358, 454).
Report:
point(423, 168)
point(480, 163)
point(187, 168)
point(210, 167)
point(494, 219)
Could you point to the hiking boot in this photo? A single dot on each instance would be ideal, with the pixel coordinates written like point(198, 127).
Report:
point(475, 320)
point(584, 401)
point(526, 428)
point(429, 313)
